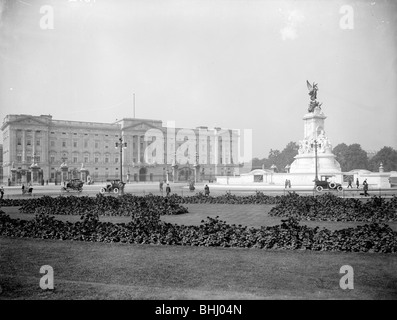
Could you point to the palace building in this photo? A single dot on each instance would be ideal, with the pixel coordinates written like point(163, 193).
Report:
point(37, 149)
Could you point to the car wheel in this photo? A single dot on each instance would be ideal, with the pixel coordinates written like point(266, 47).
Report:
point(116, 190)
point(102, 190)
point(339, 188)
point(332, 185)
point(319, 188)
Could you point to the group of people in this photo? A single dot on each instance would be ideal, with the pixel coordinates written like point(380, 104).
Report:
point(287, 183)
point(28, 189)
point(168, 189)
point(365, 185)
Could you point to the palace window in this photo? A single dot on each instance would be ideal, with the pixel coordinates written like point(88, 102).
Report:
point(74, 144)
point(19, 141)
point(64, 144)
point(37, 142)
point(75, 159)
point(85, 159)
point(96, 160)
point(28, 142)
point(52, 143)
point(116, 160)
point(19, 158)
point(106, 160)
point(52, 158)
point(85, 144)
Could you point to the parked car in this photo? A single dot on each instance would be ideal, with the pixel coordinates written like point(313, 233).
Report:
point(73, 184)
point(113, 186)
point(322, 184)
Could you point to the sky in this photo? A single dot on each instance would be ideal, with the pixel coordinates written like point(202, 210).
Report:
point(233, 64)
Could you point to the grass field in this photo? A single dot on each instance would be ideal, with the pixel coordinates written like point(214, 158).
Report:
point(120, 271)
point(85, 270)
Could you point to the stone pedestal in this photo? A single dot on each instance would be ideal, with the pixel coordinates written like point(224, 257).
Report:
point(305, 161)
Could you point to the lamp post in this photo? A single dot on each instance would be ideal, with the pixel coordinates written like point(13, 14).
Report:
point(121, 145)
point(64, 169)
point(315, 158)
point(35, 168)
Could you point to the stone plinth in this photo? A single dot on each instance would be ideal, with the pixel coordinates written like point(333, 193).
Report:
point(305, 163)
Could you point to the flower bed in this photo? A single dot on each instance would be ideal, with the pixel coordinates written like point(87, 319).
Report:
point(147, 228)
point(328, 207)
point(102, 205)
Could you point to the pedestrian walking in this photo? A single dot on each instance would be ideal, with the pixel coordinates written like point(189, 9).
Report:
point(168, 189)
point(286, 184)
point(365, 188)
point(1, 192)
point(289, 183)
point(206, 190)
point(357, 183)
point(161, 186)
point(23, 188)
point(350, 183)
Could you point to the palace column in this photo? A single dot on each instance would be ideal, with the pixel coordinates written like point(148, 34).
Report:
point(33, 143)
point(138, 142)
point(23, 146)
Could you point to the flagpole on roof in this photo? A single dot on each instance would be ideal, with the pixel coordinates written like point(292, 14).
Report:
point(133, 103)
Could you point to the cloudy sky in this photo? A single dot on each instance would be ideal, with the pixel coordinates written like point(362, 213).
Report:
point(233, 64)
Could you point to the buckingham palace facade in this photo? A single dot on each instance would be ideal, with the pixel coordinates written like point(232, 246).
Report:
point(40, 149)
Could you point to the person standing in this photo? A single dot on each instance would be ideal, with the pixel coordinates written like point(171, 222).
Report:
point(350, 183)
point(365, 188)
point(161, 186)
point(168, 189)
point(1, 192)
point(23, 188)
point(289, 183)
point(286, 184)
point(357, 183)
point(206, 190)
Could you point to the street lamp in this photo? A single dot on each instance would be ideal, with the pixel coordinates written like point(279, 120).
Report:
point(315, 157)
point(121, 145)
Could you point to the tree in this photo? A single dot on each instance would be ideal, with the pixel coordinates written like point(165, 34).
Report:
point(388, 157)
point(287, 156)
point(340, 152)
point(281, 159)
point(351, 157)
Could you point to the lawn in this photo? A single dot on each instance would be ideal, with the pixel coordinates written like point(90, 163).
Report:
point(247, 215)
point(84, 270)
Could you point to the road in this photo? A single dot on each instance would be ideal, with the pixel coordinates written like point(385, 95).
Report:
point(15, 192)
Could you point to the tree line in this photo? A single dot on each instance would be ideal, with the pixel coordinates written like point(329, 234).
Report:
point(349, 156)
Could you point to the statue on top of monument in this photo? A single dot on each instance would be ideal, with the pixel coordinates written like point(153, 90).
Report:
point(313, 96)
point(312, 90)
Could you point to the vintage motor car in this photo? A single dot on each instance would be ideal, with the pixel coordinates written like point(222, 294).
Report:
point(73, 184)
point(324, 184)
point(113, 186)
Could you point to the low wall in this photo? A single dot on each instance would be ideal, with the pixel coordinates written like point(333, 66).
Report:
point(374, 179)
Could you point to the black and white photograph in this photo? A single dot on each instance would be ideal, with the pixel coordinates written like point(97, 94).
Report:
point(195, 156)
